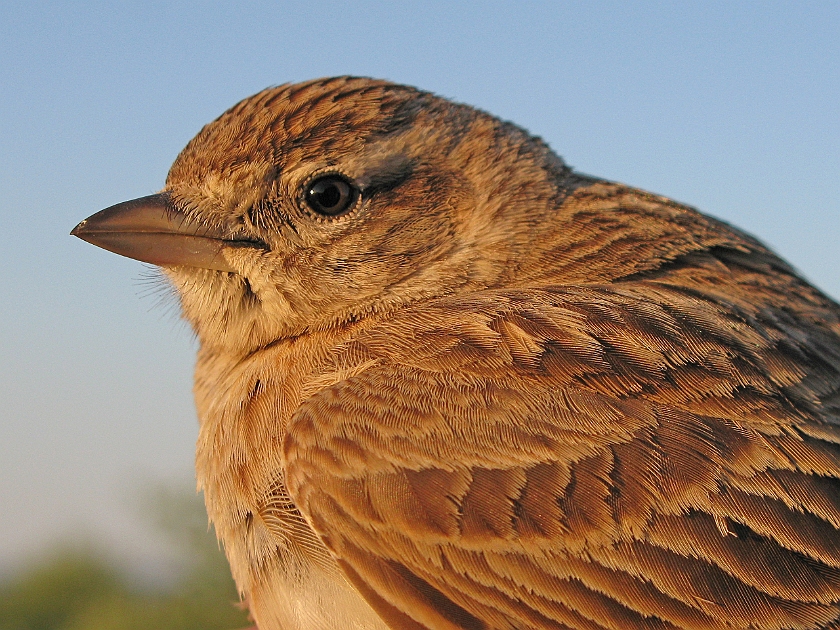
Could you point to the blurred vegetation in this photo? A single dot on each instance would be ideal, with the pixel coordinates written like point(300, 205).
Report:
point(79, 588)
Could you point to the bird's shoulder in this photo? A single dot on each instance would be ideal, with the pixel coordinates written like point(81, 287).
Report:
point(605, 450)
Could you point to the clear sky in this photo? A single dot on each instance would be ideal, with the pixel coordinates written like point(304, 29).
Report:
point(731, 107)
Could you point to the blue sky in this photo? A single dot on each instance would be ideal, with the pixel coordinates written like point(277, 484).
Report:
point(730, 107)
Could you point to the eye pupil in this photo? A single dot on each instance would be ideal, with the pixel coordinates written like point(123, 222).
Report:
point(331, 195)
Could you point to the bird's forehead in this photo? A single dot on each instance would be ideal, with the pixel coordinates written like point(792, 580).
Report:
point(288, 125)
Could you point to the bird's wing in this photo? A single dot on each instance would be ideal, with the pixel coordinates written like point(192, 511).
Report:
point(631, 456)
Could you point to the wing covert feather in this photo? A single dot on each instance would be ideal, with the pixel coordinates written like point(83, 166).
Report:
point(583, 457)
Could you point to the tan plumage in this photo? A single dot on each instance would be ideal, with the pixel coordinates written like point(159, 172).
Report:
point(493, 393)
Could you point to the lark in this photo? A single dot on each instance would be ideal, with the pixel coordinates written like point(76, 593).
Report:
point(446, 382)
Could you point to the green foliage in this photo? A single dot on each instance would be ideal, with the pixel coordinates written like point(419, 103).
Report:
point(78, 588)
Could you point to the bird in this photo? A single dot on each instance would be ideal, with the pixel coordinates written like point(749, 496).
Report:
point(444, 381)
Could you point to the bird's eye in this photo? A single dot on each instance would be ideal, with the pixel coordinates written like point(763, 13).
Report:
point(331, 195)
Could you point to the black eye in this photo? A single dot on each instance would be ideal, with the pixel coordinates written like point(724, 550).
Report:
point(331, 195)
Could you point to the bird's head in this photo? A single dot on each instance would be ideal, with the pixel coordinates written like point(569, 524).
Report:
point(309, 206)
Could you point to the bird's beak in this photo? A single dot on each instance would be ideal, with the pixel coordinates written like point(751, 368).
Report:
point(153, 230)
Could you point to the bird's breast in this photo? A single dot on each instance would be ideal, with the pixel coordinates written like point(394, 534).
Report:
point(279, 564)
